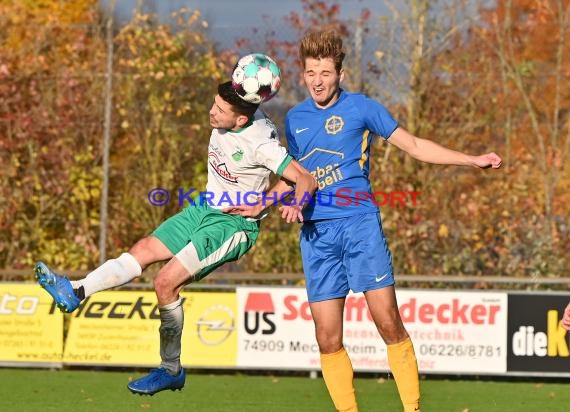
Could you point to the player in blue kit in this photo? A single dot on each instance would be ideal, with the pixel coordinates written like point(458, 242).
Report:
point(342, 243)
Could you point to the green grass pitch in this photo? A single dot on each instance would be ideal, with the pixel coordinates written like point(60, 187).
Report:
point(80, 390)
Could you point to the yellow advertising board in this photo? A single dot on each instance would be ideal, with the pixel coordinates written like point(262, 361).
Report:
point(210, 333)
point(121, 328)
point(31, 328)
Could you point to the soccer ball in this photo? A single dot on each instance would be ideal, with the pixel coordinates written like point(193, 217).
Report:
point(256, 78)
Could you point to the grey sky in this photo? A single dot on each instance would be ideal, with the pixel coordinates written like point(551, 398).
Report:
point(239, 12)
point(230, 19)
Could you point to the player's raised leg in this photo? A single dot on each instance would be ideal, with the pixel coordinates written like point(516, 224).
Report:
point(68, 294)
point(59, 287)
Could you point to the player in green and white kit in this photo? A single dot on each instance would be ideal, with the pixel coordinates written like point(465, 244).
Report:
point(244, 150)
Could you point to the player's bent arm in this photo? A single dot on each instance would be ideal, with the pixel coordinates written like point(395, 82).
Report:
point(305, 186)
point(431, 152)
point(293, 175)
point(305, 183)
point(280, 190)
point(269, 198)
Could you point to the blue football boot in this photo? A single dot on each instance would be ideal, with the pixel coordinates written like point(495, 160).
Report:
point(157, 380)
point(59, 287)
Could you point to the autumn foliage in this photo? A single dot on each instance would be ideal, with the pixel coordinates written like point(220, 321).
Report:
point(499, 83)
point(53, 74)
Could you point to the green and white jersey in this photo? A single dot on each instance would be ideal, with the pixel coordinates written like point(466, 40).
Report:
point(240, 163)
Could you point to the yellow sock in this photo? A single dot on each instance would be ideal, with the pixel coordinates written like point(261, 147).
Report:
point(338, 374)
point(404, 366)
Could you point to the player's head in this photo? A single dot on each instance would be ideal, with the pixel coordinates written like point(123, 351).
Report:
point(322, 54)
point(230, 111)
point(322, 44)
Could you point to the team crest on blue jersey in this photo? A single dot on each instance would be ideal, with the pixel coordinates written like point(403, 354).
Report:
point(334, 124)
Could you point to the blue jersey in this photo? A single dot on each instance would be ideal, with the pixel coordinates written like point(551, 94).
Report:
point(334, 145)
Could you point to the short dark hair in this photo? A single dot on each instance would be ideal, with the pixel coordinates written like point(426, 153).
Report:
point(240, 106)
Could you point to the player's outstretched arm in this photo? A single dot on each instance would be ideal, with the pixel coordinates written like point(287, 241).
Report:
point(431, 152)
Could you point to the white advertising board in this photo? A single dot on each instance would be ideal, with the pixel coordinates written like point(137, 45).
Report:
point(453, 332)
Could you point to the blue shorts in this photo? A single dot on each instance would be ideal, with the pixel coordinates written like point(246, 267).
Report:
point(344, 254)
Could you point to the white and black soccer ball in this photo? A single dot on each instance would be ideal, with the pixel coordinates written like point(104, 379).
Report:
point(256, 78)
